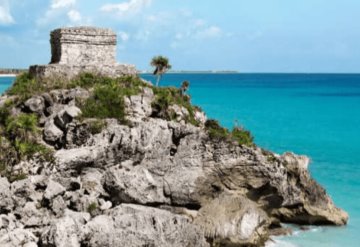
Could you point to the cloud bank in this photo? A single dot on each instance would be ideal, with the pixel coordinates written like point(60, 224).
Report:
point(5, 15)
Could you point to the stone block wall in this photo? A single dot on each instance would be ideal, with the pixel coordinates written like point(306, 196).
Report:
point(83, 45)
point(82, 49)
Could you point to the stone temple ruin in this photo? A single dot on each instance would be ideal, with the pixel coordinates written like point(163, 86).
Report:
point(82, 49)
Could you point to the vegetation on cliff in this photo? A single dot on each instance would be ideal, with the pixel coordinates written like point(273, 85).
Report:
point(21, 136)
point(239, 135)
point(19, 141)
point(165, 97)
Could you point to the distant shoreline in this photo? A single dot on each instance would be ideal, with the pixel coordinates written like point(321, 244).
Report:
point(7, 75)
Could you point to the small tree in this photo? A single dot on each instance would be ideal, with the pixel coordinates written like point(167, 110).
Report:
point(161, 65)
point(184, 87)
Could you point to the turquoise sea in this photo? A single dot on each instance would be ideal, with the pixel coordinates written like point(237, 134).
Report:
point(313, 114)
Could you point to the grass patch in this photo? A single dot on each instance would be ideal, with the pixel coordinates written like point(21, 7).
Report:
point(96, 126)
point(107, 100)
point(242, 136)
point(216, 131)
point(219, 133)
point(18, 177)
point(26, 86)
point(92, 207)
point(22, 126)
point(18, 142)
point(167, 96)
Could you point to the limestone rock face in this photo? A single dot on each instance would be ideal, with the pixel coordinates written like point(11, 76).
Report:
point(6, 202)
point(233, 219)
point(82, 49)
point(134, 225)
point(152, 183)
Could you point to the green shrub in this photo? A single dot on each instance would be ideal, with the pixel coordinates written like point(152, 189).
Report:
point(239, 135)
point(167, 96)
point(96, 126)
point(18, 177)
point(24, 86)
point(216, 131)
point(92, 207)
point(19, 141)
point(22, 125)
point(88, 80)
point(107, 101)
point(243, 137)
point(4, 115)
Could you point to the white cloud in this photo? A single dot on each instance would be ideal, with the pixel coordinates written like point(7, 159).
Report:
point(57, 4)
point(125, 9)
point(209, 32)
point(199, 22)
point(57, 12)
point(143, 35)
point(74, 16)
point(6, 39)
point(123, 36)
point(5, 15)
point(255, 36)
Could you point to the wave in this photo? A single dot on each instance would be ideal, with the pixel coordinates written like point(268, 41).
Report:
point(279, 243)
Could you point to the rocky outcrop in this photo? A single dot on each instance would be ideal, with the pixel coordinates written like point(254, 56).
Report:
point(82, 49)
point(152, 183)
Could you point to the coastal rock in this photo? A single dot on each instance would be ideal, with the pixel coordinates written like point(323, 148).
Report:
point(35, 104)
point(6, 202)
point(64, 232)
point(200, 117)
point(18, 237)
point(23, 191)
point(180, 113)
point(53, 189)
point(146, 188)
point(134, 225)
point(139, 106)
point(233, 220)
point(66, 116)
point(52, 133)
point(91, 180)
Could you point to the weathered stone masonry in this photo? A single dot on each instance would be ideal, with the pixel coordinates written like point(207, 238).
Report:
point(82, 49)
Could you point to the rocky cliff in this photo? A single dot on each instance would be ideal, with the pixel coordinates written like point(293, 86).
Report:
point(107, 159)
point(159, 175)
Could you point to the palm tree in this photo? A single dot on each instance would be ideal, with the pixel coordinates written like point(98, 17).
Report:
point(184, 87)
point(161, 65)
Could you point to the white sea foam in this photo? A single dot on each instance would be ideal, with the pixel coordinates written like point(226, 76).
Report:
point(279, 243)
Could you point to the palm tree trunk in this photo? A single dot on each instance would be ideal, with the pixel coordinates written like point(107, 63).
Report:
point(158, 80)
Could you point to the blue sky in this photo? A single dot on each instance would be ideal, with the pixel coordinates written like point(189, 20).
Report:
point(248, 36)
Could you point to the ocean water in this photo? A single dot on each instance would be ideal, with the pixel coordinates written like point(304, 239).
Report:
point(313, 114)
point(5, 82)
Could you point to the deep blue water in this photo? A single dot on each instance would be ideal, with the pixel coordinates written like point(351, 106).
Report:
point(313, 114)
